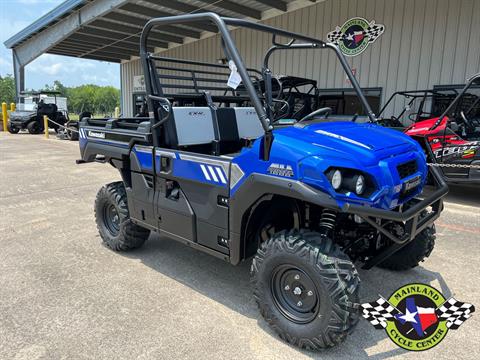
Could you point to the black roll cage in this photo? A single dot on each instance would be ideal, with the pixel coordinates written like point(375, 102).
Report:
point(159, 106)
point(474, 80)
point(37, 94)
point(413, 95)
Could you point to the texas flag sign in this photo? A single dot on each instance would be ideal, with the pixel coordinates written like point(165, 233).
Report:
point(420, 318)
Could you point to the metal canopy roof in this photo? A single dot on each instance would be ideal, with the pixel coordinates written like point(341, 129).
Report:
point(114, 35)
point(50, 18)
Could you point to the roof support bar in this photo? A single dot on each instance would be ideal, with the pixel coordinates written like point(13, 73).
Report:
point(151, 12)
point(180, 6)
point(235, 7)
point(117, 36)
point(140, 22)
point(91, 57)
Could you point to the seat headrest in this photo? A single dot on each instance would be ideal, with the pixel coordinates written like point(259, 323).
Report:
point(193, 125)
point(248, 123)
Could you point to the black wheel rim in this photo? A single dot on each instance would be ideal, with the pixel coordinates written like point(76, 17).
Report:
point(111, 219)
point(295, 294)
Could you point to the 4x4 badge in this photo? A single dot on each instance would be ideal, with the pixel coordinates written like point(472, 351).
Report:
point(280, 170)
point(417, 317)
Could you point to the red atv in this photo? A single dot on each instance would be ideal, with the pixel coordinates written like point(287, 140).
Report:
point(452, 139)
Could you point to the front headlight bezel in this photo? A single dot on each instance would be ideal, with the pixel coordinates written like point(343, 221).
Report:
point(350, 178)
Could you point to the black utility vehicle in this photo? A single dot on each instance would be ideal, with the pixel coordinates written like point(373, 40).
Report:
point(213, 169)
point(32, 120)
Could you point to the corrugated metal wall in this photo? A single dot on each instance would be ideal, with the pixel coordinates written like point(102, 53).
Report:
point(426, 43)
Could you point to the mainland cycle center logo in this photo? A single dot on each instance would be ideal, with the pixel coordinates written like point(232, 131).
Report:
point(417, 317)
point(354, 36)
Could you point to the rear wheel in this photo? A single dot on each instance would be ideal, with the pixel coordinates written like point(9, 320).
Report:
point(71, 132)
point(12, 129)
point(60, 120)
point(116, 228)
point(34, 127)
point(306, 289)
point(413, 253)
point(71, 135)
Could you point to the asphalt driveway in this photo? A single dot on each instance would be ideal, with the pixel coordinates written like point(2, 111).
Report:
point(65, 296)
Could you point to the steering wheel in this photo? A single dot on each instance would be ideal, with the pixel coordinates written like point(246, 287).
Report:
point(464, 118)
point(282, 110)
point(325, 110)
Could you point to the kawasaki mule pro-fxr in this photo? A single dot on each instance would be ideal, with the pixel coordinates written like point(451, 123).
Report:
point(305, 200)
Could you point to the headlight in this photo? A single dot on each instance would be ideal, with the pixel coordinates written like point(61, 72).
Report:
point(352, 181)
point(336, 179)
point(359, 184)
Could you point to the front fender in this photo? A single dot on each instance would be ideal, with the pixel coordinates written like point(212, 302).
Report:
point(257, 186)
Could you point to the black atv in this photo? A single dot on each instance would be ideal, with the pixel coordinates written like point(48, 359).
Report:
point(32, 120)
point(71, 129)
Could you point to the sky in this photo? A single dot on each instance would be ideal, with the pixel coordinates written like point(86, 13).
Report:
point(15, 15)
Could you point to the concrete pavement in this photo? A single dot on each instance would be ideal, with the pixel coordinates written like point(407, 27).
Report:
point(65, 296)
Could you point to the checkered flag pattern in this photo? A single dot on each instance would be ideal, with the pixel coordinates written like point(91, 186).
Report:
point(335, 36)
point(374, 31)
point(379, 312)
point(454, 312)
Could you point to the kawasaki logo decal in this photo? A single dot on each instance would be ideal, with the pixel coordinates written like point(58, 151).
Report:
point(96, 134)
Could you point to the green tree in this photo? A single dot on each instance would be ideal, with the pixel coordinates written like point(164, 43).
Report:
point(7, 89)
point(92, 98)
point(106, 99)
point(58, 86)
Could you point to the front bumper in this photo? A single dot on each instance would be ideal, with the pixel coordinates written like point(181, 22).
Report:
point(414, 218)
point(19, 122)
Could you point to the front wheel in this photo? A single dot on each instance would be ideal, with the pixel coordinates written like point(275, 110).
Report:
point(306, 289)
point(116, 228)
point(34, 127)
point(12, 129)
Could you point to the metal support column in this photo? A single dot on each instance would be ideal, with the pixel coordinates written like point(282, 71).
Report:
point(19, 74)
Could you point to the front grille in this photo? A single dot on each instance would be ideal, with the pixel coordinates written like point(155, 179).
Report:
point(408, 193)
point(407, 169)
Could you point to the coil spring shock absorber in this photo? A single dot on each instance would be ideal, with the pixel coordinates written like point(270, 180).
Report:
point(327, 222)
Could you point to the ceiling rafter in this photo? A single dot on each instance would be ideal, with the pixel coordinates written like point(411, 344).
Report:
point(140, 23)
point(235, 7)
point(277, 4)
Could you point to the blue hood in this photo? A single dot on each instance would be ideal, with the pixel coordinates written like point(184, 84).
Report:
point(366, 142)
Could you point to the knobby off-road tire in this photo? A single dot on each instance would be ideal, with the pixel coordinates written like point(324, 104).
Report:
point(413, 253)
point(34, 128)
point(116, 229)
point(71, 134)
point(324, 267)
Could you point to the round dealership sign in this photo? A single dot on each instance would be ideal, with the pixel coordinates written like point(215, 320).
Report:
point(354, 36)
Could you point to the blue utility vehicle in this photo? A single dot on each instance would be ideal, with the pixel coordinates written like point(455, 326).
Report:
point(305, 199)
